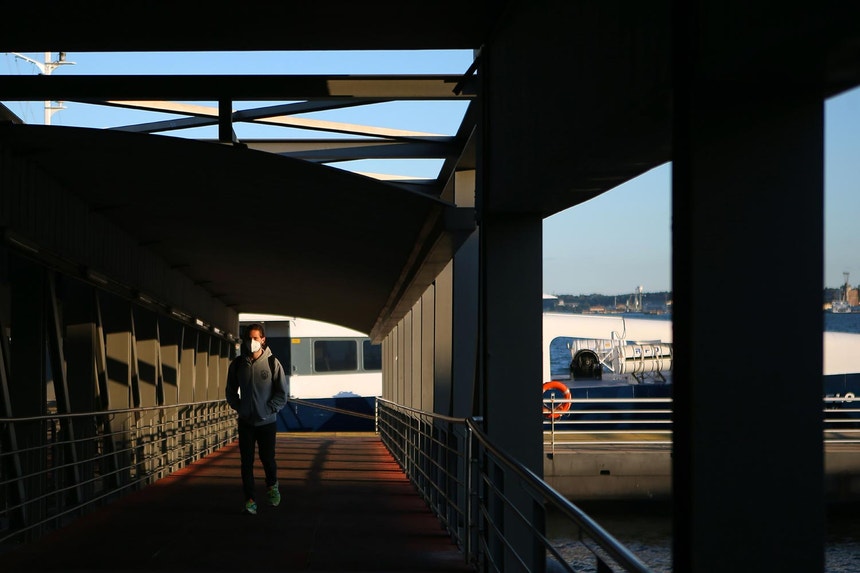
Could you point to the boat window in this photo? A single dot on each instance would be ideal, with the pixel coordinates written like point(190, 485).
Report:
point(372, 356)
point(335, 356)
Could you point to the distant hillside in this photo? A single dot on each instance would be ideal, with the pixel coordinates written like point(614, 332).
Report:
point(654, 302)
point(651, 302)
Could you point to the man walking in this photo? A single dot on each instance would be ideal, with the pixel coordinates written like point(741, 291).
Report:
point(257, 390)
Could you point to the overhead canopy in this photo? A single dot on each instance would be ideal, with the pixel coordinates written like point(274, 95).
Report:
point(260, 232)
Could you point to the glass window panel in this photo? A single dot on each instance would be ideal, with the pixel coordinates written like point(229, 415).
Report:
point(372, 356)
point(335, 356)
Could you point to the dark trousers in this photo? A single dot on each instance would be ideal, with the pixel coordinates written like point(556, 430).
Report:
point(264, 438)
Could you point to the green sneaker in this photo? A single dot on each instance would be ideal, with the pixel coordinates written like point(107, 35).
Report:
point(251, 507)
point(274, 496)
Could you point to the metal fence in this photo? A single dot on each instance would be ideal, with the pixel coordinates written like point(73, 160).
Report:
point(468, 483)
point(648, 421)
point(57, 467)
point(842, 419)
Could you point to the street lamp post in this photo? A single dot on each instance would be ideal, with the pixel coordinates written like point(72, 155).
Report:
point(45, 68)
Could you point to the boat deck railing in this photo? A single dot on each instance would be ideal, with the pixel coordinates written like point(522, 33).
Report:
point(648, 421)
point(468, 482)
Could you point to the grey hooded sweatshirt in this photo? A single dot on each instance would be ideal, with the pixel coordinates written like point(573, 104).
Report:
point(256, 389)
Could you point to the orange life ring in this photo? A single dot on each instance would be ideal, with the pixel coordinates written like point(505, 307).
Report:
point(561, 408)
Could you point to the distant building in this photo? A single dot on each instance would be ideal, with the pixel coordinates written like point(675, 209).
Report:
point(550, 302)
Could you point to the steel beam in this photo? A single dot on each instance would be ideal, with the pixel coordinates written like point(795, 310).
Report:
point(86, 88)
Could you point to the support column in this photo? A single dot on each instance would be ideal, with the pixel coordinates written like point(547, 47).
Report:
point(146, 362)
point(465, 328)
point(201, 391)
point(116, 324)
point(747, 206)
point(80, 352)
point(27, 390)
point(187, 393)
point(510, 303)
point(170, 339)
point(66, 457)
point(427, 329)
point(512, 334)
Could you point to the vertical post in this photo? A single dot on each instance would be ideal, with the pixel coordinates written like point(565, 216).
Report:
point(510, 300)
point(747, 196)
point(80, 350)
point(57, 357)
point(27, 383)
point(469, 493)
point(225, 121)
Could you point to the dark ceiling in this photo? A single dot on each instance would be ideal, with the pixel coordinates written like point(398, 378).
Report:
point(108, 26)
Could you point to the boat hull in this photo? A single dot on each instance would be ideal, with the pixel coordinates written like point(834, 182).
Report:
point(307, 416)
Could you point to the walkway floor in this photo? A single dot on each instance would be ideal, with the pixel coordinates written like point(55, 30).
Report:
point(346, 506)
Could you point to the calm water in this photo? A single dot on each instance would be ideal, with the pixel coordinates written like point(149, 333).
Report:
point(647, 531)
point(648, 534)
point(849, 322)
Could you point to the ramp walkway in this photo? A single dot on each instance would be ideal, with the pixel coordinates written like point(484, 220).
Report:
point(346, 506)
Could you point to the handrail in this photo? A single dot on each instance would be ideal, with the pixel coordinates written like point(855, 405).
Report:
point(442, 456)
point(319, 406)
point(58, 466)
point(644, 424)
point(626, 558)
point(110, 412)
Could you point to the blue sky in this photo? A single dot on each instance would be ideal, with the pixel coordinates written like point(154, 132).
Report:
point(636, 252)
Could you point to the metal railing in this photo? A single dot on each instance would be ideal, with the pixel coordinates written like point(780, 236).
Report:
point(468, 483)
point(57, 467)
point(332, 409)
point(842, 419)
point(648, 421)
point(596, 422)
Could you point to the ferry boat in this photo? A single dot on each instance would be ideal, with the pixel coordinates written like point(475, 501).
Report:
point(589, 351)
point(607, 363)
point(600, 357)
point(334, 373)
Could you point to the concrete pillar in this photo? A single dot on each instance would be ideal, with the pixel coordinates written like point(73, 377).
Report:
point(510, 308)
point(747, 207)
point(511, 351)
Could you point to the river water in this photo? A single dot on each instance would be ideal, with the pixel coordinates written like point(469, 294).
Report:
point(646, 529)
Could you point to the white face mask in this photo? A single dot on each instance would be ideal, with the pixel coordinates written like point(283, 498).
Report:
point(254, 345)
